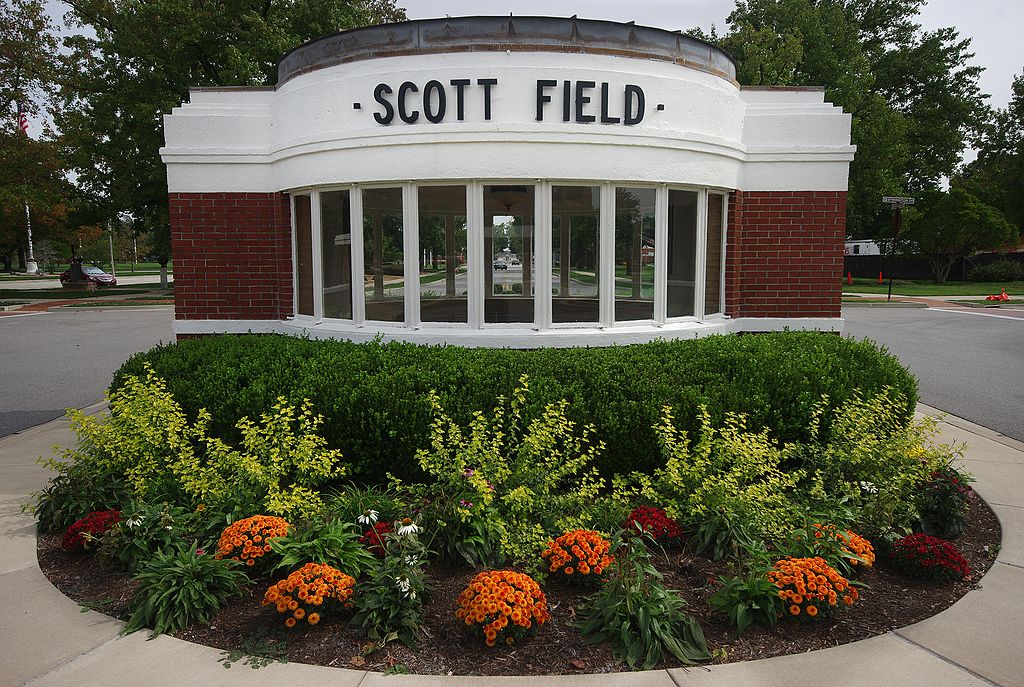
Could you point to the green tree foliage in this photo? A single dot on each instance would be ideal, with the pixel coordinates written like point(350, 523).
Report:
point(28, 59)
point(914, 100)
point(136, 60)
point(996, 175)
point(953, 225)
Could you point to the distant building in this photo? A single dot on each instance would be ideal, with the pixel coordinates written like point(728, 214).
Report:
point(861, 247)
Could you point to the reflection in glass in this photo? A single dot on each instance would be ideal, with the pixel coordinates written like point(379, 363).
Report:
point(634, 253)
point(575, 254)
point(713, 265)
point(682, 253)
point(508, 245)
point(336, 247)
point(383, 253)
point(303, 255)
point(443, 254)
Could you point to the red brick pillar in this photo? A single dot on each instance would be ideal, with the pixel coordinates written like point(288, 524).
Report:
point(785, 253)
point(232, 256)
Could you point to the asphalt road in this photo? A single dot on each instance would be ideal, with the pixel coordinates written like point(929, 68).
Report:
point(122, 280)
point(969, 364)
point(66, 358)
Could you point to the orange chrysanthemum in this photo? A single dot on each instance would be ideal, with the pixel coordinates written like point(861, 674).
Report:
point(580, 551)
point(328, 584)
point(503, 604)
point(810, 585)
point(236, 541)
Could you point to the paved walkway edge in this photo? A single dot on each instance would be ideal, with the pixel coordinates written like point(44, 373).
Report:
point(46, 640)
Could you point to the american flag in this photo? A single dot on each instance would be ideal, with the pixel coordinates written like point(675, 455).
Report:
point(22, 122)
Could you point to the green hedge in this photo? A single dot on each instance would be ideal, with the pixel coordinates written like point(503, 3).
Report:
point(373, 396)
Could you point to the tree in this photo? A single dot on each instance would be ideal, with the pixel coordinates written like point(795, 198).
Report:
point(997, 175)
point(952, 225)
point(28, 59)
point(914, 100)
point(141, 62)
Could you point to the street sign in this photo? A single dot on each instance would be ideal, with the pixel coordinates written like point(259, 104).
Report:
point(897, 200)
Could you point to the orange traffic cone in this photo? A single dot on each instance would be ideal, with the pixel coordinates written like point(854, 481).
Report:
point(849, 277)
point(880, 280)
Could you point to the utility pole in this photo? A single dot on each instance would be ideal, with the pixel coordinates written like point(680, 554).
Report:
point(30, 264)
point(896, 203)
point(111, 237)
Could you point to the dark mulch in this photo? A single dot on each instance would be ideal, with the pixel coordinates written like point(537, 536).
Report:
point(888, 602)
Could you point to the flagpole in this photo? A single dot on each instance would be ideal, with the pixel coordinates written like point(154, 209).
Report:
point(30, 264)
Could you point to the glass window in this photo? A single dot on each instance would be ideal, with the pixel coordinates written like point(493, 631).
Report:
point(336, 247)
point(634, 253)
point(443, 254)
point(713, 265)
point(383, 254)
point(682, 253)
point(304, 255)
point(508, 247)
point(575, 254)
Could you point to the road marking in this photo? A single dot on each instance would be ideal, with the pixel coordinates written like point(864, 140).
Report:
point(25, 314)
point(979, 314)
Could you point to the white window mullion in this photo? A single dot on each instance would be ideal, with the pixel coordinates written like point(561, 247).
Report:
point(606, 256)
point(295, 260)
point(411, 243)
point(542, 256)
point(701, 274)
point(318, 256)
point(475, 248)
point(660, 254)
point(358, 269)
point(721, 276)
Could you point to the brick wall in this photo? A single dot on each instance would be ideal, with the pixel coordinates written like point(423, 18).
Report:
point(232, 256)
point(785, 253)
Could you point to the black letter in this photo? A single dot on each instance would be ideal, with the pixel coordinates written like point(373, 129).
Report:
point(459, 84)
point(389, 111)
point(566, 101)
point(541, 98)
point(407, 117)
point(582, 100)
point(605, 119)
point(630, 118)
point(487, 83)
point(438, 115)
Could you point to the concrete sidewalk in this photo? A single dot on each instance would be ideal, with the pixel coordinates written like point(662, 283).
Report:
point(46, 640)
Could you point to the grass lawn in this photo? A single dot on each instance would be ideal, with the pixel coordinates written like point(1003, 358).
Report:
point(62, 294)
point(140, 303)
point(927, 288)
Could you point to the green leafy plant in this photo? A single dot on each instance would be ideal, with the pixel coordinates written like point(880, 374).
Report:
point(142, 531)
point(524, 478)
point(179, 587)
point(389, 605)
point(75, 491)
point(348, 501)
point(945, 501)
point(748, 598)
point(257, 650)
point(641, 619)
point(335, 544)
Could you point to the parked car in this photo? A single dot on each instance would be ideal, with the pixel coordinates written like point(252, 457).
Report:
point(93, 274)
point(500, 265)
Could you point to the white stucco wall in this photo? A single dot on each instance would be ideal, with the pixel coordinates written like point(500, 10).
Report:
point(308, 133)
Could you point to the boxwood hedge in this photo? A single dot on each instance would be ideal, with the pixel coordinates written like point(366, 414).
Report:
point(374, 396)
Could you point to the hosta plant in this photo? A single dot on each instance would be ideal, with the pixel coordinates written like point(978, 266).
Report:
point(182, 586)
point(309, 592)
point(335, 544)
point(643, 621)
point(579, 556)
point(748, 598)
point(810, 587)
point(922, 555)
point(503, 606)
point(86, 533)
point(248, 540)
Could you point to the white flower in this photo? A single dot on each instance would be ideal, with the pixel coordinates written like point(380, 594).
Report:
point(412, 561)
point(408, 527)
point(403, 584)
point(369, 517)
point(168, 527)
point(411, 594)
point(132, 523)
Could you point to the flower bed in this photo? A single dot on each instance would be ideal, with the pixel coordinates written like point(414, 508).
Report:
point(735, 532)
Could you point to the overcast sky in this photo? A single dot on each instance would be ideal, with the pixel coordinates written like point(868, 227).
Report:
point(993, 25)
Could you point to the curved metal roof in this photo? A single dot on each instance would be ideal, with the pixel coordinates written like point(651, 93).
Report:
point(511, 33)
